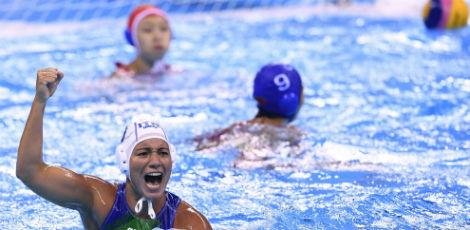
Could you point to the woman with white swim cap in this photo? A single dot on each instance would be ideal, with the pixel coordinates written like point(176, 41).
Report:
point(145, 155)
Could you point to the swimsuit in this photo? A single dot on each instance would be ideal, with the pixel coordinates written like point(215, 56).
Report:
point(121, 216)
point(158, 69)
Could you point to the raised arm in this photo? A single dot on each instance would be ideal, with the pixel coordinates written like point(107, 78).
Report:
point(59, 185)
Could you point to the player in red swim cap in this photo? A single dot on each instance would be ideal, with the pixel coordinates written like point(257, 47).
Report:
point(148, 30)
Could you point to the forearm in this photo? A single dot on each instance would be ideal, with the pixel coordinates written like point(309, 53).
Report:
point(29, 160)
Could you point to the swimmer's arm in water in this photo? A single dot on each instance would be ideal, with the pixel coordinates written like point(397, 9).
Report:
point(59, 185)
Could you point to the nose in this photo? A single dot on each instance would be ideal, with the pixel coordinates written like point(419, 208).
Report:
point(155, 159)
point(157, 35)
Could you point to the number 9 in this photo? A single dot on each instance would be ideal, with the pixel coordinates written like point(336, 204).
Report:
point(282, 82)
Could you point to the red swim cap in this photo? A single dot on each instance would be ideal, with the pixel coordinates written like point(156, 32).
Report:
point(136, 16)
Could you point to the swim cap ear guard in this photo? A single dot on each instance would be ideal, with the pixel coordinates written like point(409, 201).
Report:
point(128, 36)
point(289, 104)
point(137, 131)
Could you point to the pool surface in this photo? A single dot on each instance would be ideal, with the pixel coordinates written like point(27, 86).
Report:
point(385, 120)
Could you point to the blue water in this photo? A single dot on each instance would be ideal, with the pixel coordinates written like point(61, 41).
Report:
point(386, 119)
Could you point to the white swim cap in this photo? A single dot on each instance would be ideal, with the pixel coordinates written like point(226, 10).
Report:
point(141, 128)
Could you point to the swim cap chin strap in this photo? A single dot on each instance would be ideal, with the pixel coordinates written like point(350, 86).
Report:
point(140, 204)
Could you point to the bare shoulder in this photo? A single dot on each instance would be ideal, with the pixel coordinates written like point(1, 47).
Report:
point(187, 217)
point(100, 185)
point(123, 71)
point(104, 193)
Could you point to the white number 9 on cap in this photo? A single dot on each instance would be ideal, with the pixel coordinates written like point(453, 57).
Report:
point(282, 82)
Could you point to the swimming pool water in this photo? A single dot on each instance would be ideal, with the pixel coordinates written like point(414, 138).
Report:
point(386, 118)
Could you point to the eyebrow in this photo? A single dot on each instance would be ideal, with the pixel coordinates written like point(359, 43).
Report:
point(150, 148)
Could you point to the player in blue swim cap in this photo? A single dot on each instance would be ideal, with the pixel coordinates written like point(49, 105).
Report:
point(278, 91)
point(145, 156)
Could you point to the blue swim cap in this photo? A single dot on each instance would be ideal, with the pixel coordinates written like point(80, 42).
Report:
point(277, 89)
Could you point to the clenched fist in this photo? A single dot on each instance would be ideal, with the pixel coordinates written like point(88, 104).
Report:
point(46, 83)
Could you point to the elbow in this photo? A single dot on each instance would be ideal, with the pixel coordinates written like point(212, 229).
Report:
point(19, 170)
point(21, 174)
point(24, 173)
point(25, 176)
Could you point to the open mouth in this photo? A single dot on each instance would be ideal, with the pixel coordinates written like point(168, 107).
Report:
point(153, 178)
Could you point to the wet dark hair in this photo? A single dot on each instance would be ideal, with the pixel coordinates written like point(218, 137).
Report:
point(264, 113)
